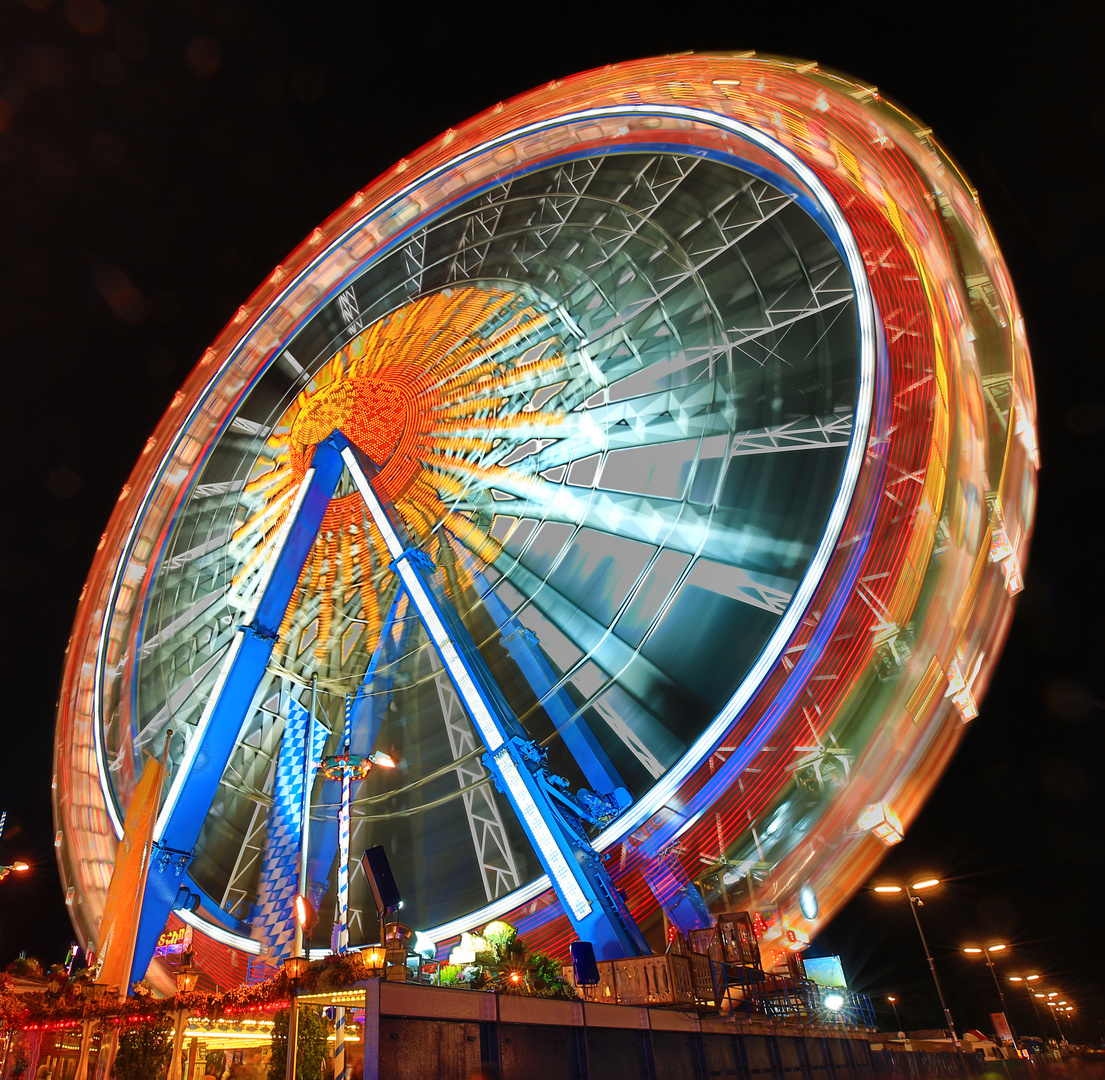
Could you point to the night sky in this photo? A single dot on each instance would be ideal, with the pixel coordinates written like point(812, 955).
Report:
point(158, 159)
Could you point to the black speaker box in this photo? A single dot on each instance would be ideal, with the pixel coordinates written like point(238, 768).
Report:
point(384, 890)
point(585, 970)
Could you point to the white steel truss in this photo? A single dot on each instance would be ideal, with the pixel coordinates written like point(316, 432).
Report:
point(498, 869)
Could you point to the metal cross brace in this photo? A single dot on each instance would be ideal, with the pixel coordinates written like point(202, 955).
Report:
point(596, 909)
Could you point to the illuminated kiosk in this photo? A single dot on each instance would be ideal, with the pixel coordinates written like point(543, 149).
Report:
point(646, 466)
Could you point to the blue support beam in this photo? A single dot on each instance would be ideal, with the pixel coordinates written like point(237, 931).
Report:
point(524, 649)
point(590, 900)
point(212, 742)
point(676, 893)
point(592, 903)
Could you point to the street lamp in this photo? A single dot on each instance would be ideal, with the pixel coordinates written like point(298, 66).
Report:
point(186, 979)
point(295, 967)
point(987, 951)
point(186, 975)
point(897, 1023)
point(373, 958)
point(1026, 981)
point(1056, 1008)
point(17, 867)
point(914, 903)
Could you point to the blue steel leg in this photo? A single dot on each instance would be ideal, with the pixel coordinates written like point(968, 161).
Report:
point(524, 649)
point(232, 701)
point(590, 900)
point(366, 715)
point(676, 893)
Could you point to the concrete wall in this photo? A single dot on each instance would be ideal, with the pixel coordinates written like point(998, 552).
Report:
point(413, 1032)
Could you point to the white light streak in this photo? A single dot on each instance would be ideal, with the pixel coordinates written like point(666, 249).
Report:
point(542, 834)
point(481, 716)
point(219, 934)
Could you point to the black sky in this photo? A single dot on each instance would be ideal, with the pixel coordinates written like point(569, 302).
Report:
point(158, 159)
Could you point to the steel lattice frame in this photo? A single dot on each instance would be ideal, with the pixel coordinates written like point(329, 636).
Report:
point(808, 214)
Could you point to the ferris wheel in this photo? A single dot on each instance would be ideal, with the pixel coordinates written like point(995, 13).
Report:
point(643, 469)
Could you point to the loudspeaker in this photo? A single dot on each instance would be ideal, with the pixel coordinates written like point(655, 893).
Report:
point(384, 890)
point(585, 970)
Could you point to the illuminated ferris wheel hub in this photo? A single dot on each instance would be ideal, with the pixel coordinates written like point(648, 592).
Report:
point(641, 473)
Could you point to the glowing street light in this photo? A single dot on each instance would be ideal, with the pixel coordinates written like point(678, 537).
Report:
point(1026, 981)
point(295, 968)
point(988, 951)
point(914, 903)
point(897, 1022)
point(16, 867)
point(186, 979)
point(1056, 1008)
point(917, 886)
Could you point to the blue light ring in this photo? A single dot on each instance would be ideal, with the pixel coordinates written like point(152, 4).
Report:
point(777, 180)
point(732, 126)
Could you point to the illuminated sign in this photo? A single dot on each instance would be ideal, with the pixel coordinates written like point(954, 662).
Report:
point(173, 942)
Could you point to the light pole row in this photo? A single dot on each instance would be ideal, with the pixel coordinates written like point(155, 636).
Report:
point(1058, 1004)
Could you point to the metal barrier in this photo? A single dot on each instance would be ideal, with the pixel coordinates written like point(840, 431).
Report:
point(707, 982)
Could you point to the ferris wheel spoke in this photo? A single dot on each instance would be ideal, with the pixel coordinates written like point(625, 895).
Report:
point(652, 419)
point(194, 618)
point(591, 640)
point(185, 703)
point(696, 410)
point(677, 525)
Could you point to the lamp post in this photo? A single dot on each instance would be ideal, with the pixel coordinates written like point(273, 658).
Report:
point(1057, 1007)
point(987, 951)
point(897, 1022)
point(914, 903)
point(186, 979)
point(374, 958)
point(1066, 1010)
point(1026, 981)
point(347, 768)
point(295, 967)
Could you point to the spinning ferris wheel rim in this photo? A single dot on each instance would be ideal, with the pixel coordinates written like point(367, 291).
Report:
point(238, 345)
point(842, 238)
